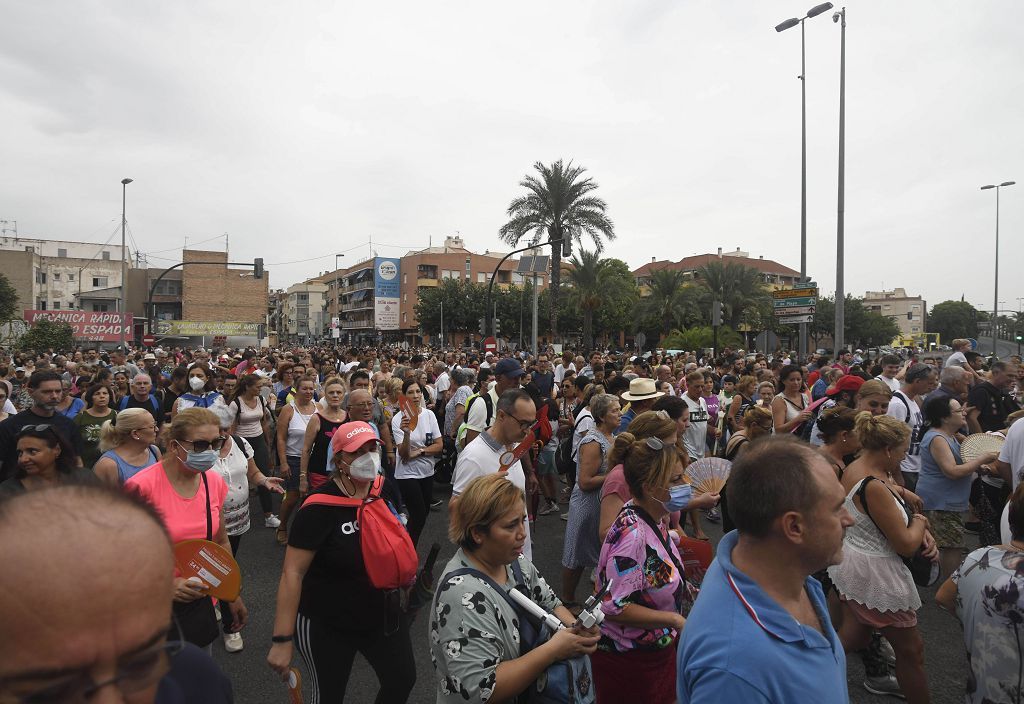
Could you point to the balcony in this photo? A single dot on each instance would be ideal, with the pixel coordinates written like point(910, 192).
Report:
point(365, 304)
point(358, 286)
point(358, 324)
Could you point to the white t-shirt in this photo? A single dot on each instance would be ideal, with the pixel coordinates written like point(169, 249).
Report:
point(905, 409)
point(957, 359)
point(695, 437)
point(893, 384)
point(424, 434)
point(480, 458)
point(1012, 452)
point(442, 384)
point(234, 470)
point(477, 419)
point(560, 371)
point(584, 423)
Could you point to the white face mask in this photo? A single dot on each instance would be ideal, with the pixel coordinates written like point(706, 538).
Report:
point(365, 467)
point(197, 383)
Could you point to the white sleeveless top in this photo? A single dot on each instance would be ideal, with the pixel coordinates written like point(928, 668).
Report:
point(296, 432)
point(872, 573)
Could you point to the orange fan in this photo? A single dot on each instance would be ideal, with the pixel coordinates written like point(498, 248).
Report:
point(209, 562)
point(409, 410)
point(708, 475)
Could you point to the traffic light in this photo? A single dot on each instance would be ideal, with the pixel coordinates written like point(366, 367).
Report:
point(497, 327)
point(566, 246)
point(257, 267)
point(716, 313)
point(483, 327)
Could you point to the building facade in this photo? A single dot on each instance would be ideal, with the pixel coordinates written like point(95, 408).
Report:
point(909, 312)
point(303, 312)
point(773, 274)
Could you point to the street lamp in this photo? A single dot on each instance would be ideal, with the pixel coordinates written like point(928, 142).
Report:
point(124, 263)
point(793, 22)
point(337, 297)
point(995, 298)
point(841, 199)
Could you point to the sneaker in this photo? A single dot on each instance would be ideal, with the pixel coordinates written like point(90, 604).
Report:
point(549, 508)
point(271, 521)
point(565, 516)
point(886, 651)
point(233, 642)
point(436, 504)
point(884, 685)
point(714, 515)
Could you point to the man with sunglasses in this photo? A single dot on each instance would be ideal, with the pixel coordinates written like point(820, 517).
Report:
point(515, 417)
point(46, 389)
point(113, 613)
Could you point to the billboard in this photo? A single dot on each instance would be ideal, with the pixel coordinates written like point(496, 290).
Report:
point(90, 326)
point(196, 328)
point(387, 285)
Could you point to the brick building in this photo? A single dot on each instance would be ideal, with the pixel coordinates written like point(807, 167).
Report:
point(215, 292)
point(773, 274)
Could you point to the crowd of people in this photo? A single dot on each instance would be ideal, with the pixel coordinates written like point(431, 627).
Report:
point(847, 479)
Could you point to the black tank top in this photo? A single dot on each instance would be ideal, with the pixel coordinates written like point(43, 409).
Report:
point(321, 449)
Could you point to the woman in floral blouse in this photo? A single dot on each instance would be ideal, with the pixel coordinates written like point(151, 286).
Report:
point(636, 657)
point(987, 594)
point(474, 632)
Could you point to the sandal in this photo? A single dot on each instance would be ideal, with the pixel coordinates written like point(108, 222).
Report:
point(282, 536)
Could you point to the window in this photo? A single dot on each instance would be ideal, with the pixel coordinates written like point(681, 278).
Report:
point(42, 305)
point(405, 298)
point(61, 252)
point(405, 317)
point(106, 255)
point(56, 276)
point(481, 277)
point(168, 288)
point(99, 282)
point(71, 277)
point(40, 277)
point(405, 278)
point(304, 297)
point(99, 307)
point(56, 305)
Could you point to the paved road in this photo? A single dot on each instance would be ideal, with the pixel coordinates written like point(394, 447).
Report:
point(260, 558)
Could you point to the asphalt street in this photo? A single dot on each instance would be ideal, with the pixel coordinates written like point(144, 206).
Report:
point(260, 559)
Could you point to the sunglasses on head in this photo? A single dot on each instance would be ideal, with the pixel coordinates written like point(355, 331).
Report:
point(36, 429)
point(204, 445)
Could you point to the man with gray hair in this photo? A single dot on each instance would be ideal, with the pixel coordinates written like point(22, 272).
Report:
point(142, 396)
point(953, 383)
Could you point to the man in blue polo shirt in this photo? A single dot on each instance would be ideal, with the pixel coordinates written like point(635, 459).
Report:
point(760, 631)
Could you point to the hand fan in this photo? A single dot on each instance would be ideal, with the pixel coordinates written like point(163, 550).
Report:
point(708, 475)
point(410, 410)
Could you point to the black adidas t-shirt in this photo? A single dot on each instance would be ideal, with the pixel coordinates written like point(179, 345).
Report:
point(336, 590)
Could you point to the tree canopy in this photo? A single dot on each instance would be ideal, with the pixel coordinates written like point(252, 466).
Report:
point(953, 319)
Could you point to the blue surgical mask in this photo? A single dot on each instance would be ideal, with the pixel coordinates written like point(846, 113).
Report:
point(201, 461)
point(678, 498)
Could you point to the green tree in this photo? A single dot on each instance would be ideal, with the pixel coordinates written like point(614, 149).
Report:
point(8, 299)
point(738, 287)
point(670, 303)
point(597, 283)
point(701, 337)
point(46, 334)
point(561, 205)
point(860, 325)
point(953, 319)
point(616, 312)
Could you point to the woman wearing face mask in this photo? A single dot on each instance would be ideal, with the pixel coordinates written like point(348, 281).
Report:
point(191, 502)
point(635, 658)
point(326, 606)
point(200, 394)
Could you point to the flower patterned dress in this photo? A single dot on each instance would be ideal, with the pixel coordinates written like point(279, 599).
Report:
point(990, 604)
point(473, 629)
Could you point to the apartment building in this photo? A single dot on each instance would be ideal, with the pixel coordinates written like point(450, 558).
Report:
point(303, 314)
point(773, 274)
point(909, 312)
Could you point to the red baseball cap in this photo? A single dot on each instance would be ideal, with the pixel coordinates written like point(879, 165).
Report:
point(848, 382)
point(349, 437)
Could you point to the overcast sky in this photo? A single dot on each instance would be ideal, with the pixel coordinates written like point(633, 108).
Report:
point(304, 129)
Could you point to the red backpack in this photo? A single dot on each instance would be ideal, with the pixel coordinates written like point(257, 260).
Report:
point(388, 552)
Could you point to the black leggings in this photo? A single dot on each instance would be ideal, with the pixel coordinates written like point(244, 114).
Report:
point(417, 495)
point(328, 654)
point(261, 455)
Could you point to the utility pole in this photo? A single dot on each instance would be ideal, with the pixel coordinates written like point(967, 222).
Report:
point(124, 262)
point(841, 202)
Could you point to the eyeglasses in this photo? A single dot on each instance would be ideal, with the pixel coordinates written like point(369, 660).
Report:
point(138, 672)
point(524, 425)
point(655, 444)
point(204, 445)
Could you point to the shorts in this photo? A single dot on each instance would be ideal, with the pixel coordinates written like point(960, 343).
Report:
point(291, 482)
point(874, 618)
point(546, 463)
point(947, 528)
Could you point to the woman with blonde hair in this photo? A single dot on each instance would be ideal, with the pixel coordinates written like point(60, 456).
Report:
point(475, 633)
point(190, 499)
point(876, 589)
point(128, 442)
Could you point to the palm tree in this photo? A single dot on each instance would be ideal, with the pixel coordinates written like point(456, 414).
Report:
point(735, 285)
point(670, 301)
point(592, 283)
point(558, 203)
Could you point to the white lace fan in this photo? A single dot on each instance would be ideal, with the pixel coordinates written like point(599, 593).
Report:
point(708, 475)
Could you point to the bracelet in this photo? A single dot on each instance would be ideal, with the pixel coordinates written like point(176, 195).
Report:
point(282, 639)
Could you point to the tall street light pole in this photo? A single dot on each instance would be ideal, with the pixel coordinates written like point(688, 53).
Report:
point(337, 298)
point(124, 262)
point(813, 12)
point(995, 297)
point(841, 201)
